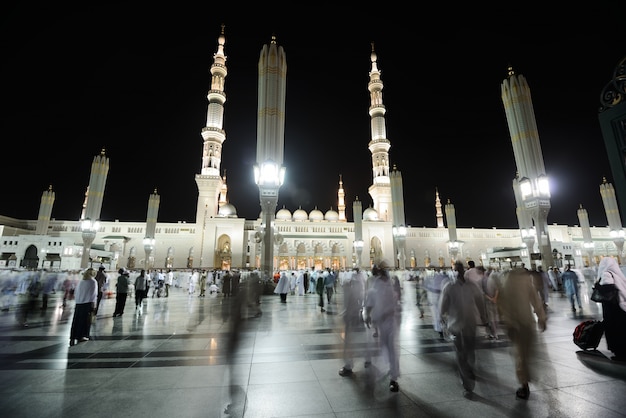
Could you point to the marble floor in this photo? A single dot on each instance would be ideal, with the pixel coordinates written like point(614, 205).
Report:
point(179, 357)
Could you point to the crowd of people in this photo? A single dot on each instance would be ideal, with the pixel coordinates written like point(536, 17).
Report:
point(511, 303)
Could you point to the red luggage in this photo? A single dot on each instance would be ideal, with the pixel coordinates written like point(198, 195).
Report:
point(587, 334)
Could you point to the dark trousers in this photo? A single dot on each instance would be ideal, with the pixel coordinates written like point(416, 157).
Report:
point(120, 303)
point(283, 297)
point(464, 345)
point(140, 295)
point(81, 322)
point(98, 301)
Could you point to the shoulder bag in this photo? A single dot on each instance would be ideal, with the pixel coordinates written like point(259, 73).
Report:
point(604, 293)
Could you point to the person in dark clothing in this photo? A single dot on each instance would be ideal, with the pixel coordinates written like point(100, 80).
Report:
point(122, 292)
point(614, 314)
point(86, 295)
point(101, 279)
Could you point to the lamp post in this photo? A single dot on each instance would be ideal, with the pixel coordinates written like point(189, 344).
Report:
point(453, 249)
point(148, 246)
point(269, 176)
point(399, 234)
point(88, 229)
point(535, 194)
point(358, 247)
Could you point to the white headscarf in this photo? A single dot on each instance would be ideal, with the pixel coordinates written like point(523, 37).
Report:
point(609, 272)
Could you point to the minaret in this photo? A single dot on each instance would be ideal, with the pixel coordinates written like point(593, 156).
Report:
point(612, 215)
point(453, 243)
point(399, 226)
point(588, 246)
point(534, 188)
point(209, 180)
point(151, 220)
point(90, 223)
point(357, 214)
point(438, 211)
point(380, 190)
point(341, 205)
point(269, 171)
point(45, 211)
point(223, 192)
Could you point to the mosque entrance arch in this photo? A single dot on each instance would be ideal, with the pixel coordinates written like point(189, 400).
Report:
point(31, 259)
point(224, 253)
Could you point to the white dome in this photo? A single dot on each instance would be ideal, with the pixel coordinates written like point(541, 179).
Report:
point(331, 215)
point(300, 215)
point(316, 215)
point(283, 215)
point(227, 210)
point(370, 214)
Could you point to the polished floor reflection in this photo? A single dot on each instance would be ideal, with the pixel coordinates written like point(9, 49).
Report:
point(178, 358)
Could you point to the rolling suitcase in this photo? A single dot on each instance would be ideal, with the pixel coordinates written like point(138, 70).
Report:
point(588, 333)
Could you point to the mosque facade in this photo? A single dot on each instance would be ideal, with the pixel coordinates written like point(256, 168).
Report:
point(219, 239)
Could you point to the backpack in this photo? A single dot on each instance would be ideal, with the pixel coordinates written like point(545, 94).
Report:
point(587, 334)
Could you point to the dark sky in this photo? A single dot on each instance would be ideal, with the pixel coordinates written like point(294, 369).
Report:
point(134, 81)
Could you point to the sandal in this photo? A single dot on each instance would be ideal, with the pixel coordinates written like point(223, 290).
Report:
point(523, 392)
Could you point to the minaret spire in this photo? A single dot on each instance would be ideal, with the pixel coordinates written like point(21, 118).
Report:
point(438, 211)
point(223, 191)
point(213, 136)
point(379, 145)
point(341, 197)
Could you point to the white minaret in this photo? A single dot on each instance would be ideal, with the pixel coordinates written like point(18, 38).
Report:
point(438, 211)
point(380, 190)
point(399, 226)
point(341, 198)
point(612, 215)
point(583, 218)
point(532, 181)
point(223, 192)
point(209, 180)
point(151, 220)
point(45, 211)
point(453, 243)
point(90, 223)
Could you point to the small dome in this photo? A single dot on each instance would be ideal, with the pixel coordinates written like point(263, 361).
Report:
point(300, 215)
point(283, 215)
point(316, 215)
point(370, 214)
point(227, 210)
point(331, 215)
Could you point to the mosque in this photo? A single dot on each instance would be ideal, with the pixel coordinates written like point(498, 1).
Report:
point(295, 239)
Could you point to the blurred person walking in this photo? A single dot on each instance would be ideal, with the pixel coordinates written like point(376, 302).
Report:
point(353, 301)
point(434, 284)
point(614, 314)
point(570, 283)
point(491, 289)
point(520, 304)
point(283, 287)
point(169, 281)
point(380, 310)
point(101, 279)
point(462, 305)
point(86, 296)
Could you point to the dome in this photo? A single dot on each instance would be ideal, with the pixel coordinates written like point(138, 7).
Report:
point(300, 215)
point(283, 215)
point(331, 215)
point(370, 214)
point(227, 210)
point(316, 215)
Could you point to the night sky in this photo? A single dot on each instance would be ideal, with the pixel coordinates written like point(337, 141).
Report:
point(134, 82)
